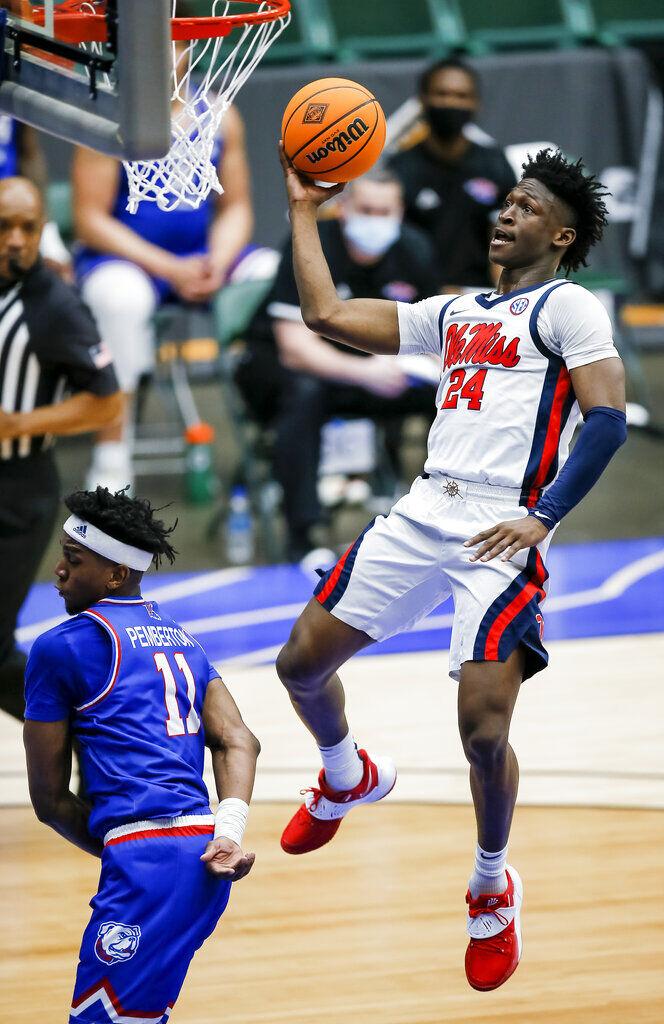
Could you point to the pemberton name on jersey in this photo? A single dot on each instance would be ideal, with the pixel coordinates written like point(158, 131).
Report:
point(158, 636)
point(481, 343)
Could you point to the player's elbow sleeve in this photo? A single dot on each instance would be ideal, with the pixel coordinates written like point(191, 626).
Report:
point(609, 428)
point(604, 431)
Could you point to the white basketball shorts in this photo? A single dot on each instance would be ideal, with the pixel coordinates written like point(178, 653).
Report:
point(404, 565)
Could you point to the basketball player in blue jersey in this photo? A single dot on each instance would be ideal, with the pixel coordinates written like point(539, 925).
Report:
point(140, 697)
point(519, 367)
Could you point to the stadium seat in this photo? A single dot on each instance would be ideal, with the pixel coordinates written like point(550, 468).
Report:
point(543, 23)
point(308, 37)
point(394, 27)
point(623, 21)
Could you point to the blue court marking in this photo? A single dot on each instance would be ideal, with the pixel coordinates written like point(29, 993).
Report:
point(604, 588)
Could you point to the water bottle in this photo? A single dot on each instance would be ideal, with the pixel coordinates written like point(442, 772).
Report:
point(201, 483)
point(239, 529)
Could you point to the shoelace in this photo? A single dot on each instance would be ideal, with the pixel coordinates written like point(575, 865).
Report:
point(317, 795)
point(478, 911)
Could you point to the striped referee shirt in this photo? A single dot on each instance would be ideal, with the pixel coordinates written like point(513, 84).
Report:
point(49, 347)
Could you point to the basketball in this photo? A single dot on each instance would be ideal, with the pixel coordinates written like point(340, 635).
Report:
point(333, 130)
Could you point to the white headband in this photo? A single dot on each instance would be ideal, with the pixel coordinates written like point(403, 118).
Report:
point(96, 540)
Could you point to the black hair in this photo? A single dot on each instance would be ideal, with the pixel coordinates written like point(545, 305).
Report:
point(451, 63)
point(130, 520)
point(583, 193)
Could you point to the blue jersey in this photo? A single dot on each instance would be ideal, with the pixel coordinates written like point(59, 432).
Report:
point(132, 682)
point(9, 156)
point(183, 231)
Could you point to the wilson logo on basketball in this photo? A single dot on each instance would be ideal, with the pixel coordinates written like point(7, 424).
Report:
point(481, 343)
point(315, 113)
point(341, 141)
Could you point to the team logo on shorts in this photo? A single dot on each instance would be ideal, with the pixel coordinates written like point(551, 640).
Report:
point(519, 306)
point(116, 942)
point(315, 113)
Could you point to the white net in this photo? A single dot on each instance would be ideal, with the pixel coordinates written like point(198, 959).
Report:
point(207, 74)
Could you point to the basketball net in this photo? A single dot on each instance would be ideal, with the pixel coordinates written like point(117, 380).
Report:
point(206, 77)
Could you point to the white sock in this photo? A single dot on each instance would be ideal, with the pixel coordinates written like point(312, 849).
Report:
point(489, 874)
point(342, 764)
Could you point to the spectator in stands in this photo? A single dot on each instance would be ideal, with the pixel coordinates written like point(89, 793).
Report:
point(297, 380)
point(21, 154)
point(130, 263)
point(452, 184)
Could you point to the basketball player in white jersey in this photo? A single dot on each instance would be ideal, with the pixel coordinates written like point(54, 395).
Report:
point(519, 367)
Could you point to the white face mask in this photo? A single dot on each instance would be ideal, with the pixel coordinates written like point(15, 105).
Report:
point(371, 235)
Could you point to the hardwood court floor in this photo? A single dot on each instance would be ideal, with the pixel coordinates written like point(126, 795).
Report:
point(371, 929)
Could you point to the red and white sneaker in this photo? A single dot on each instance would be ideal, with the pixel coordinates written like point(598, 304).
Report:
point(319, 817)
point(494, 926)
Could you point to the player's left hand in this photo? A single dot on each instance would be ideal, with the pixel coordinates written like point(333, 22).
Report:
point(505, 539)
point(225, 859)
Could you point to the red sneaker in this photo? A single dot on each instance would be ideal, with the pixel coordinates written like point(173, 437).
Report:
point(494, 926)
point(319, 817)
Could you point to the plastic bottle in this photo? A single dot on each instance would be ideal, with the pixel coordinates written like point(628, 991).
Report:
point(201, 483)
point(239, 529)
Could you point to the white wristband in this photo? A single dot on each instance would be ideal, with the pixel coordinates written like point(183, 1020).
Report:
point(230, 820)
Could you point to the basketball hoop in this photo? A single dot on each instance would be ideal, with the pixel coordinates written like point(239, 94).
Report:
point(206, 77)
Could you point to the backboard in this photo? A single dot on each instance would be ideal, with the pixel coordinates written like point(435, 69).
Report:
point(112, 96)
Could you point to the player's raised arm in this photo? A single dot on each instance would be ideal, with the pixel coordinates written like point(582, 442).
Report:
point(235, 751)
point(370, 325)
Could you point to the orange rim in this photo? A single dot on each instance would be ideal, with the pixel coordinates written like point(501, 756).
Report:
point(75, 26)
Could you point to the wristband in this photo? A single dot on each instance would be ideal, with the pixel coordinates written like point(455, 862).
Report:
point(230, 820)
point(548, 520)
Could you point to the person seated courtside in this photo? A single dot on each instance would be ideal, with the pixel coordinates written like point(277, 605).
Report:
point(129, 264)
point(296, 380)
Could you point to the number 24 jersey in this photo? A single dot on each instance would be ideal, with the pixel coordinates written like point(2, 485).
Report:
point(506, 409)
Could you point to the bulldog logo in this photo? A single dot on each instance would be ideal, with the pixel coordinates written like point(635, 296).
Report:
point(116, 942)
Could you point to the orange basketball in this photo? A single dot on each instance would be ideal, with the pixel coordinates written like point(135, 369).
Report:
point(333, 129)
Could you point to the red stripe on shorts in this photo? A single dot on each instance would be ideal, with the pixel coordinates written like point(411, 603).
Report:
point(517, 603)
point(177, 830)
point(334, 578)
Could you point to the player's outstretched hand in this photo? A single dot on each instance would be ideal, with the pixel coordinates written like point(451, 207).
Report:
point(225, 859)
point(302, 189)
point(505, 539)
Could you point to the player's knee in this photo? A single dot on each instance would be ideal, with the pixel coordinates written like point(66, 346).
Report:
point(485, 740)
point(296, 666)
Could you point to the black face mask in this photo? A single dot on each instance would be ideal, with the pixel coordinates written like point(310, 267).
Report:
point(446, 122)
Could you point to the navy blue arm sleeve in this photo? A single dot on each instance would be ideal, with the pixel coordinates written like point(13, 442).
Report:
point(604, 431)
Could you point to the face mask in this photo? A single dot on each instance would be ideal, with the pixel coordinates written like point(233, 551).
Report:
point(372, 236)
point(446, 122)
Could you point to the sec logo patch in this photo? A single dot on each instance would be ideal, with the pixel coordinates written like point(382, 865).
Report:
point(518, 306)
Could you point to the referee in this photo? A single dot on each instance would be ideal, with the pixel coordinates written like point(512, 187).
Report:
point(55, 378)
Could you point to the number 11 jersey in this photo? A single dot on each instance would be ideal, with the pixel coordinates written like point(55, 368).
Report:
point(506, 409)
point(132, 682)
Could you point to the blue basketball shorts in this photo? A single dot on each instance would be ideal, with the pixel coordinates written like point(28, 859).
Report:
point(156, 905)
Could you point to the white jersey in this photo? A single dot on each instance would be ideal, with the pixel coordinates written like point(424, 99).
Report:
point(506, 407)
